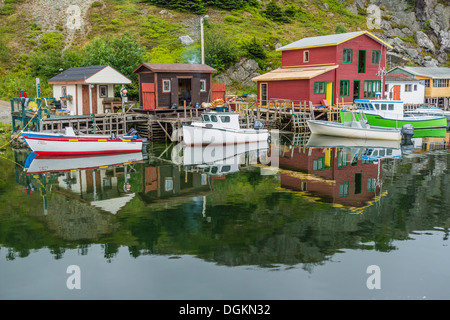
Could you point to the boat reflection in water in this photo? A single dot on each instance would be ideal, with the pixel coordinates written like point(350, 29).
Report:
point(84, 177)
point(220, 159)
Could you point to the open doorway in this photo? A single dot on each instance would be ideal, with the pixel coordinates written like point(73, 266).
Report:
point(184, 91)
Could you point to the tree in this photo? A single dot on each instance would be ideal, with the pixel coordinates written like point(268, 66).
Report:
point(220, 52)
point(123, 54)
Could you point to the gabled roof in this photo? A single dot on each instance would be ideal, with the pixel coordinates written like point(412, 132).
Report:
point(294, 73)
point(177, 67)
point(85, 74)
point(429, 72)
point(329, 40)
point(400, 78)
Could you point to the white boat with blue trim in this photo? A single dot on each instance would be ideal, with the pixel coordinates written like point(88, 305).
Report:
point(218, 128)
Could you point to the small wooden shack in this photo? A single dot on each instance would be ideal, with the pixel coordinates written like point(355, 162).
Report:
point(71, 87)
point(163, 85)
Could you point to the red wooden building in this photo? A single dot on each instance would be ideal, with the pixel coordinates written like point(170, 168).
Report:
point(339, 67)
point(161, 85)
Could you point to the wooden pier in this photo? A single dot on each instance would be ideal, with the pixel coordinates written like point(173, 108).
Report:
point(165, 124)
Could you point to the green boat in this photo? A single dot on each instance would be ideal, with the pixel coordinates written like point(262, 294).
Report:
point(390, 113)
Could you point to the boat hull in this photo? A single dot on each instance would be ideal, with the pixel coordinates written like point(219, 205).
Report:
point(61, 145)
point(340, 130)
point(418, 122)
point(49, 164)
point(203, 136)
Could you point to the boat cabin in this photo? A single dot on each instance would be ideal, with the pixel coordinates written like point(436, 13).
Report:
point(381, 107)
point(226, 120)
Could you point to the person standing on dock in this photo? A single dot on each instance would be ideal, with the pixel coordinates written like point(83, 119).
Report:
point(123, 94)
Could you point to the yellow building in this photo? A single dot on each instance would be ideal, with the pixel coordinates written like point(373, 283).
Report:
point(436, 80)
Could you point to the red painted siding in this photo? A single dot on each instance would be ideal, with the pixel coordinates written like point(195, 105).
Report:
point(299, 90)
point(317, 56)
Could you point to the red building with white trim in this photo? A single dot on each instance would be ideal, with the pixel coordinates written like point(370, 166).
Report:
point(327, 69)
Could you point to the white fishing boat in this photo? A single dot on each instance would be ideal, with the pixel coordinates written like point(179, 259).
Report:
point(353, 129)
point(69, 143)
point(218, 128)
point(431, 110)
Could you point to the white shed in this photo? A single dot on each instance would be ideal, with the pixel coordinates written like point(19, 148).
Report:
point(406, 88)
point(72, 88)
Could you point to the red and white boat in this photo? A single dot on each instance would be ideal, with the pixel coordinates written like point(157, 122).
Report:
point(68, 143)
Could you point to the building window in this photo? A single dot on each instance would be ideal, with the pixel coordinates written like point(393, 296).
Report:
point(166, 86)
point(362, 61)
point(168, 184)
point(263, 93)
point(408, 87)
point(343, 189)
point(344, 88)
point(305, 56)
point(427, 83)
point(371, 88)
point(319, 87)
point(103, 91)
point(415, 87)
point(347, 56)
point(440, 83)
point(318, 164)
point(342, 159)
point(202, 85)
point(376, 56)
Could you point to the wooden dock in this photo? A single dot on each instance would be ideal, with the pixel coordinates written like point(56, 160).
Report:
point(165, 124)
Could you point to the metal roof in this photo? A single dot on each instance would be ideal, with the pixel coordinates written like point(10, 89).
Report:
point(431, 72)
point(329, 40)
point(295, 73)
point(401, 78)
point(177, 67)
point(78, 73)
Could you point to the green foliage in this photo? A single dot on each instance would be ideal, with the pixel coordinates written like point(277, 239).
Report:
point(4, 51)
point(220, 51)
point(123, 53)
point(275, 13)
point(52, 41)
point(201, 6)
point(253, 49)
point(340, 29)
point(194, 6)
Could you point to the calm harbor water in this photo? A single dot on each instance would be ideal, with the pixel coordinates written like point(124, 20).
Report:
point(303, 218)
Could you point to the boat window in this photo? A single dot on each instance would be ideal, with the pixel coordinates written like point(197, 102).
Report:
point(377, 106)
point(382, 153)
point(214, 169)
point(226, 168)
point(205, 118)
point(225, 119)
point(383, 106)
point(391, 106)
point(369, 106)
point(213, 118)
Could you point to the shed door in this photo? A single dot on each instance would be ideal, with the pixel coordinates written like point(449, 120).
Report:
point(148, 96)
point(86, 105)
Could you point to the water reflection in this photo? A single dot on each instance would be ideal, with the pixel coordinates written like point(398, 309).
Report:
point(215, 203)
